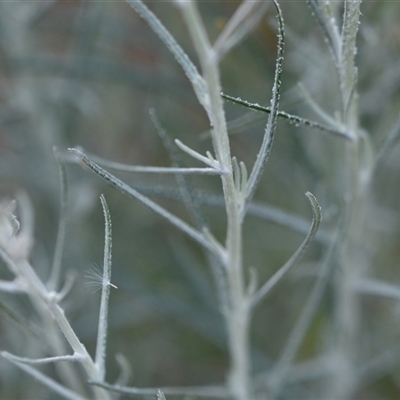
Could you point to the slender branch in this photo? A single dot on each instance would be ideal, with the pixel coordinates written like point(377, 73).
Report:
point(46, 360)
point(347, 68)
point(187, 65)
point(378, 288)
point(209, 160)
point(328, 25)
point(388, 145)
point(156, 170)
point(293, 119)
point(246, 17)
point(62, 225)
point(124, 188)
point(197, 391)
point(105, 294)
point(45, 380)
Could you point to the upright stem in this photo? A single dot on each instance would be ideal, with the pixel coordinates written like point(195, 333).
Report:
point(348, 311)
point(237, 316)
point(353, 255)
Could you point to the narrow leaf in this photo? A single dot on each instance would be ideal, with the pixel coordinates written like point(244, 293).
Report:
point(151, 169)
point(269, 134)
point(182, 58)
point(184, 183)
point(315, 107)
point(124, 188)
point(209, 160)
point(265, 289)
point(328, 25)
point(292, 119)
point(280, 374)
point(247, 16)
point(160, 395)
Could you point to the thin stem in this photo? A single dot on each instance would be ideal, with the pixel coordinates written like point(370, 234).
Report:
point(62, 225)
point(246, 17)
point(209, 160)
point(293, 119)
point(50, 383)
point(328, 25)
point(45, 301)
point(353, 257)
point(155, 170)
point(105, 294)
point(124, 188)
point(187, 65)
point(375, 287)
point(237, 317)
point(388, 145)
point(46, 360)
point(347, 68)
point(190, 391)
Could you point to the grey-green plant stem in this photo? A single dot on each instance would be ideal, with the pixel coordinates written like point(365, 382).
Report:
point(87, 362)
point(160, 395)
point(125, 370)
point(355, 187)
point(67, 287)
point(209, 160)
point(186, 190)
point(376, 287)
point(180, 56)
point(100, 358)
point(328, 25)
point(45, 380)
point(246, 17)
point(219, 392)
point(10, 286)
point(153, 170)
point(43, 299)
point(45, 360)
point(46, 301)
point(317, 109)
point(210, 71)
point(380, 365)
point(388, 145)
point(237, 318)
point(36, 289)
point(54, 279)
point(293, 119)
point(347, 68)
point(124, 188)
point(191, 201)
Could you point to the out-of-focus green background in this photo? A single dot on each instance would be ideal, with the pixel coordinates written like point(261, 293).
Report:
point(87, 73)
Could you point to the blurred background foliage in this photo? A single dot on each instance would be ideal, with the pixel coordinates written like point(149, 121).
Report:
point(87, 73)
